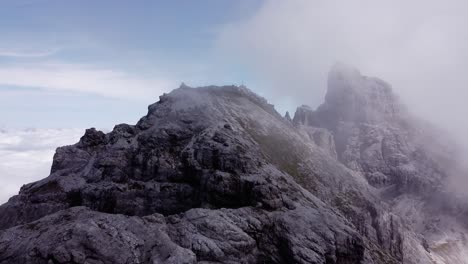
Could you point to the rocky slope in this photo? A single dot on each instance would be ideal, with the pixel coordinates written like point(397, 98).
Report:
point(216, 175)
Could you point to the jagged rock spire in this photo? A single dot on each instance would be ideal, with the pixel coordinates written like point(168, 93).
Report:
point(287, 116)
point(183, 85)
point(352, 97)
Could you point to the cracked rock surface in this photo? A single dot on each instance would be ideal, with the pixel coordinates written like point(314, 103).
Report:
point(216, 175)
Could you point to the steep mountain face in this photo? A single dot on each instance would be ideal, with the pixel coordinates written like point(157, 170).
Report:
point(216, 175)
point(374, 134)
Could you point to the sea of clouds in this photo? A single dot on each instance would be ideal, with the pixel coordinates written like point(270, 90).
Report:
point(26, 155)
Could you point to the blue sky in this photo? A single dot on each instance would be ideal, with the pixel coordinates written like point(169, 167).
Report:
point(98, 63)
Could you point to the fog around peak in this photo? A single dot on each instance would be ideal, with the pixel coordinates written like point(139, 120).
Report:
point(419, 47)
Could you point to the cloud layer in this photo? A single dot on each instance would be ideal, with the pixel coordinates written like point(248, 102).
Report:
point(26, 155)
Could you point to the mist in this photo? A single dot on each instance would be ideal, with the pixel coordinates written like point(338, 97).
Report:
point(419, 47)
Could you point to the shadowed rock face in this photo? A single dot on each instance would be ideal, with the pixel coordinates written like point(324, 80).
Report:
point(216, 175)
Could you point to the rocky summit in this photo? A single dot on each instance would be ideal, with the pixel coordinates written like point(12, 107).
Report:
point(216, 175)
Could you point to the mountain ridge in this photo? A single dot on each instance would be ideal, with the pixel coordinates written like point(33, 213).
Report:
point(221, 177)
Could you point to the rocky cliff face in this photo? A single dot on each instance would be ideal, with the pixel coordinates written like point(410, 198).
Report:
point(216, 175)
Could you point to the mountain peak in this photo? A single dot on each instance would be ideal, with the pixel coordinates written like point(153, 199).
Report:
point(343, 71)
point(354, 97)
point(183, 85)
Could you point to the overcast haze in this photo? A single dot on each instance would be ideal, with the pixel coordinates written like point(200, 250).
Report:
point(419, 47)
point(82, 64)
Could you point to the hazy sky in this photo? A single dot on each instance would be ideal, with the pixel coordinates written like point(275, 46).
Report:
point(102, 62)
point(97, 63)
point(77, 64)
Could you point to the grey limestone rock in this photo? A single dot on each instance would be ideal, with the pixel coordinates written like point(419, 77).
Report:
point(216, 175)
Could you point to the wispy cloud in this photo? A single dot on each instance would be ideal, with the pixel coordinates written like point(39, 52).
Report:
point(27, 54)
point(85, 78)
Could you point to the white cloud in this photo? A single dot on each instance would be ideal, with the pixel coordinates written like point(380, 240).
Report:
point(26, 155)
point(420, 47)
point(84, 78)
point(27, 54)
